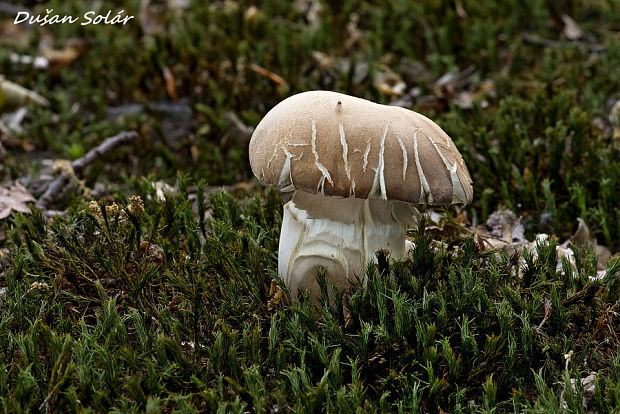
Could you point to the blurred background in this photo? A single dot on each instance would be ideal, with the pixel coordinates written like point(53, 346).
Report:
point(528, 90)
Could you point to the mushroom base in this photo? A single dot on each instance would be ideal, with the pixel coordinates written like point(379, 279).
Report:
point(339, 234)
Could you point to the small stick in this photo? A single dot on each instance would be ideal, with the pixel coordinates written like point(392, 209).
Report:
point(111, 143)
point(535, 40)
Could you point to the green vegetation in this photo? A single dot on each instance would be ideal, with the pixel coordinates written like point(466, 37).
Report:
point(170, 306)
point(118, 308)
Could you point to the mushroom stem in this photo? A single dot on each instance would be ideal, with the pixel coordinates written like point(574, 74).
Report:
point(339, 234)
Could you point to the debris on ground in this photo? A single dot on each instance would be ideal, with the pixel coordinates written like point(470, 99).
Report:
point(14, 198)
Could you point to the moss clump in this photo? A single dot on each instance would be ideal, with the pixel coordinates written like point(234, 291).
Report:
point(113, 308)
point(116, 308)
point(538, 137)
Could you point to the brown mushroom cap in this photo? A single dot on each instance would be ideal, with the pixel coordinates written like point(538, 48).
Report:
point(342, 146)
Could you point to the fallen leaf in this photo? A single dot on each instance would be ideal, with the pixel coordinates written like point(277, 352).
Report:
point(464, 99)
point(324, 60)
point(582, 234)
point(273, 287)
point(603, 255)
point(10, 128)
point(571, 29)
point(450, 83)
point(59, 58)
point(161, 190)
point(587, 385)
point(170, 83)
point(153, 251)
point(14, 198)
point(504, 225)
point(389, 83)
point(275, 293)
point(582, 238)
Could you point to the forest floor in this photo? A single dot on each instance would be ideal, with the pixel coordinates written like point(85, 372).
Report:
point(143, 277)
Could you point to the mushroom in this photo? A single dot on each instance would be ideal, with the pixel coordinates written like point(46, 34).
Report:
point(355, 169)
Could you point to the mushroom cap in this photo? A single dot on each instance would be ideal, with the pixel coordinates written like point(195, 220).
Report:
point(342, 146)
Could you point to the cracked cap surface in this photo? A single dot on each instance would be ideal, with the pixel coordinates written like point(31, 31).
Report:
point(342, 146)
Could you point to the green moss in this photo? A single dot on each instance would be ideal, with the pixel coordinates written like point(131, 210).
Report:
point(168, 310)
point(145, 309)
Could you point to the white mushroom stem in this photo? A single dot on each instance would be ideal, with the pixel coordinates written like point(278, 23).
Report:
point(339, 234)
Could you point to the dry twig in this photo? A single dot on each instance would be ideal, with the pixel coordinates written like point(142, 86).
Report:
point(536, 40)
point(110, 144)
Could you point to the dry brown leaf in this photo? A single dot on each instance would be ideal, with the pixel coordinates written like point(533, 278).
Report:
point(582, 234)
point(273, 287)
point(389, 83)
point(605, 325)
point(275, 295)
point(170, 83)
point(60, 56)
point(571, 30)
point(603, 255)
point(153, 251)
point(587, 385)
point(583, 238)
point(14, 198)
point(480, 246)
point(324, 60)
point(504, 225)
point(464, 99)
point(450, 83)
